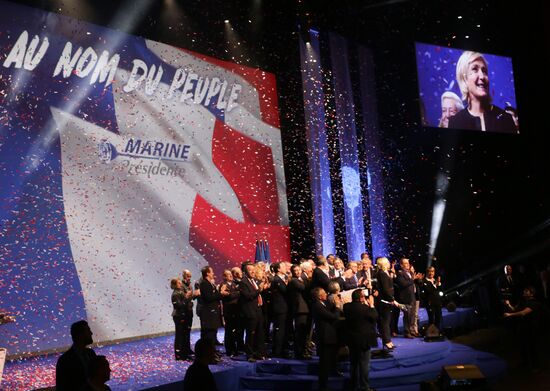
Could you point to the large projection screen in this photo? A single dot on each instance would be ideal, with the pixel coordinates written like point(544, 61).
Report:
point(124, 161)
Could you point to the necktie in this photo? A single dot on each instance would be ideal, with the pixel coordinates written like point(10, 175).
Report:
point(260, 301)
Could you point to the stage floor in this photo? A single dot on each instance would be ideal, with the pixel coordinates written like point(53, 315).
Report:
point(149, 363)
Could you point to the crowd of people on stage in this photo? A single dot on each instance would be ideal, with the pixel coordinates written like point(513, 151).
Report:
point(288, 310)
point(293, 310)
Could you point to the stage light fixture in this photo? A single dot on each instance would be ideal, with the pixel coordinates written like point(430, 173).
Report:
point(235, 45)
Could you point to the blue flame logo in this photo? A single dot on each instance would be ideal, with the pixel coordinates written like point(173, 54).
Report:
point(106, 151)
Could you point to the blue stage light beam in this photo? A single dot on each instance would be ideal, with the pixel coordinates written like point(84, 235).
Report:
point(127, 17)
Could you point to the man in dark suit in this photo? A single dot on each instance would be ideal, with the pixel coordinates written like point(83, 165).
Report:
point(250, 302)
point(299, 311)
point(367, 273)
point(361, 333)
point(180, 304)
point(325, 317)
point(188, 312)
point(406, 295)
point(350, 279)
point(433, 294)
point(507, 288)
point(73, 366)
point(337, 272)
point(210, 310)
point(230, 297)
point(320, 277)
point(279, 307)
point(308, 266)
point(239, 333)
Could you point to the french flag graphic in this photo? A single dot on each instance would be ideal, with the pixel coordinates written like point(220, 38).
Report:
point(109, 191)
point(138, 228)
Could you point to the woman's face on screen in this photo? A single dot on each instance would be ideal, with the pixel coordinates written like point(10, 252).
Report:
point(477, 80)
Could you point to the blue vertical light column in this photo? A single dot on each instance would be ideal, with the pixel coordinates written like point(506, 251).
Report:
point(347, 136)
point(319, 172)
point(375, 178)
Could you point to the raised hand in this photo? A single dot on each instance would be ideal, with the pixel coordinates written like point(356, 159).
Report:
point(370, 301)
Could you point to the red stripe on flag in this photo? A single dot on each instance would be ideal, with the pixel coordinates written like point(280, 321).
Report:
point(248, 167)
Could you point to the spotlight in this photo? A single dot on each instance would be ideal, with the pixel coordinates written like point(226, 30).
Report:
point(438, 212)
point(304, 34)
point(226, 21)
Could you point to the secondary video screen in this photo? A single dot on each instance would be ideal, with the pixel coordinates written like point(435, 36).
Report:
point(465, 89)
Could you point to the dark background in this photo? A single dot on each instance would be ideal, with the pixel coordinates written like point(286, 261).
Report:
point(497, 201)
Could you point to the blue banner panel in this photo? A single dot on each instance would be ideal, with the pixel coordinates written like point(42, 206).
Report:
point(375, 163)
point(319, 168)
point(345, 122)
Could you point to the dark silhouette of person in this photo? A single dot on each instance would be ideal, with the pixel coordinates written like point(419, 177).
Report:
point(239, 332)
point(73, 366)
point(508, 289)
point(100, 373)
point(279, 298)
point(299, 311)
point(528, 320)
point(325, 317)
point(198, 376)
point(181, 300)
point(433, 294)
point(210, 312)
point(230, 299)
point(361, 336)
point(250, 303)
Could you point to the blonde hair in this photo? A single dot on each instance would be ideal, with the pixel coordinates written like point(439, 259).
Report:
point(260, 269)
point(383, 263)
point(462, 70)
